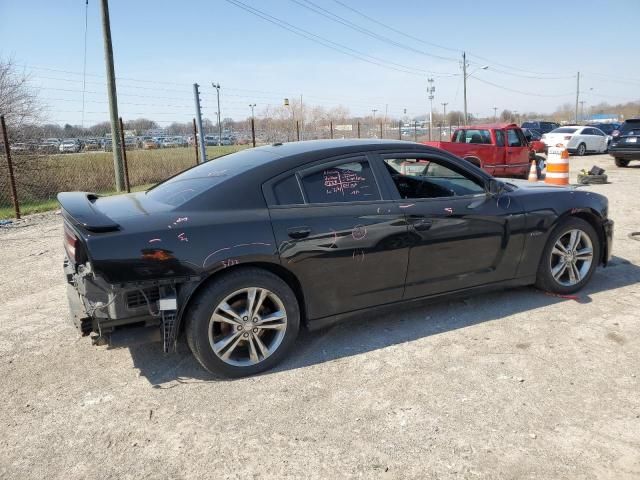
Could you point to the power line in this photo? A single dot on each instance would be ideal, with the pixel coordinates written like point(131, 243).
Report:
point(520, 91)
point(426, 42)
point(336, 18)
point(328, 43)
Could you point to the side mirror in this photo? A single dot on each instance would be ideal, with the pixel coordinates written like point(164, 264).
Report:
point(494, 187)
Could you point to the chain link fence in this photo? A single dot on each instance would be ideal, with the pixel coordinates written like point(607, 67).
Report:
point(43, 168)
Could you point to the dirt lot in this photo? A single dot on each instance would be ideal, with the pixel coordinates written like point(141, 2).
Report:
point(509, 385)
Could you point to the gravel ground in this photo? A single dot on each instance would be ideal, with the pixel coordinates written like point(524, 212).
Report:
point(509, 385)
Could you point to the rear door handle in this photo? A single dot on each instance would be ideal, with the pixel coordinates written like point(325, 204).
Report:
point(298, 232)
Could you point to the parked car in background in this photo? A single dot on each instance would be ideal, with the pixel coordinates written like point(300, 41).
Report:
point(49, 146)
point(91, 144)
point(149, 143)
point(542, 127)
point(70, 145)
point(303, 233)
point(107, 145)
point(130, 142)
point(210, 140)
point(180, 141)
point(577, 139)
point(168, 142)
point(500, 149)
point(625, 143)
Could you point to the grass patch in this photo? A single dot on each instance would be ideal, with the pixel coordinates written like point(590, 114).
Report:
point(39, 178)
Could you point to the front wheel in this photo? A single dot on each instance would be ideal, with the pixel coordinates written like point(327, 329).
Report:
point(243, 323)
point(569, 257)
point(621, 162)
point(581, 150)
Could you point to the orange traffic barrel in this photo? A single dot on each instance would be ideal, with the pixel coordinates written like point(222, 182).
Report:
point(557, 166)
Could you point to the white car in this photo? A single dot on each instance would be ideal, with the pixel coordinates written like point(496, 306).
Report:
point(70, 145)
point(577, 139)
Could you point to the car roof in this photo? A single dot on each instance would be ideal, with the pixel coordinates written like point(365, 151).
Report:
point(495, 126)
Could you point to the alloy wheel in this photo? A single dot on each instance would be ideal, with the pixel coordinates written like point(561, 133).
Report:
point(247, 326)
point(571, 257)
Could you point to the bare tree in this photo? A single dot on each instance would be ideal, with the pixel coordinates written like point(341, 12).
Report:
point(18, 100)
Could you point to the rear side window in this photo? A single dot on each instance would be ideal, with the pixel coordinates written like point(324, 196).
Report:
point(499, 138)
point(565, 130)
point(287, 191)
point(346, 182)
point(513, 139)
point(472, 136)
point(630, 128)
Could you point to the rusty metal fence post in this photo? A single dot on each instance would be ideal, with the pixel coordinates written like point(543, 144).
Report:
point(358, 129)
point(253, 131)
point(298, 129)
point(415, 131)
point(331, 129)
point(195, 140)
point(12, 179)
point(400, 130)
point(381, 135)
point(125, 164)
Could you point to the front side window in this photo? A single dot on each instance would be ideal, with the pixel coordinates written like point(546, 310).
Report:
point(513, 138)
point(429, 178)
point(347, 182)
point(499, 138)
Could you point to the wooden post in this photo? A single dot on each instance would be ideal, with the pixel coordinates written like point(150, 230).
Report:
point(12, 179)
point(381, 135)
point(125, 165)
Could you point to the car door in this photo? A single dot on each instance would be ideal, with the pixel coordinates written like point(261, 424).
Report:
point(600, 144)
point(517, 157)
point(460, 236)
point(501, 154)
point(340, 234)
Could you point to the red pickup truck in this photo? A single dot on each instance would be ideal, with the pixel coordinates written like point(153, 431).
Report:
point(501, 149)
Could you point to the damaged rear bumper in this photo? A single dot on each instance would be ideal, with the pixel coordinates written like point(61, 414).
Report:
point(121, 315)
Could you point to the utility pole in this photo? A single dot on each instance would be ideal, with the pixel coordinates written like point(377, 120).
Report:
point(196, 97)
point(217, 87)
point(430, 90)
point(444, 115)
point(495, 114)
point(113, 97)
point(577, 94)
point(464, 76)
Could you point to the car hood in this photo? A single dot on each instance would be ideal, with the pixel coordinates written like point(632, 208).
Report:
point(536, 186)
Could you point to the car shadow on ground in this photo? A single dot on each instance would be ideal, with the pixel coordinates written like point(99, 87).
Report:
point(385, 327)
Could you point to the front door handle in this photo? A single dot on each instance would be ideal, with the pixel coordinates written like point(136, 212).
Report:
point(420, 223)
point(298, 232)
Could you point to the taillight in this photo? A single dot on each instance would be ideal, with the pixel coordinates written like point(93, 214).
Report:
point(567, 137)
point(70, 244)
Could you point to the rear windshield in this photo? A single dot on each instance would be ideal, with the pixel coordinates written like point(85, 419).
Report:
point(565, 130)
point(183, 187)
point(472, 136)
point(630, 128)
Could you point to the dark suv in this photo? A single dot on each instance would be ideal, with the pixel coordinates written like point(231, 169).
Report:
point(625, 145)
point(542, 127)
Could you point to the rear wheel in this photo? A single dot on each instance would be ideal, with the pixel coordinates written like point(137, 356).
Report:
point(621, 162)
point(243, 323)
point(581, 150)
point(569, 258)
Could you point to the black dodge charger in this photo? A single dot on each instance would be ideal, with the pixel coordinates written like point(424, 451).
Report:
point(239, 252)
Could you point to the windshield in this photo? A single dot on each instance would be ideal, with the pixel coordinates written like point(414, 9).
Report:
point(183, 187)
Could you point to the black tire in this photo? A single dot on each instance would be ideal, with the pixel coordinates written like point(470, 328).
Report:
point(200, 311)
point(544, 278)
point(621, 162)
point(581, 150)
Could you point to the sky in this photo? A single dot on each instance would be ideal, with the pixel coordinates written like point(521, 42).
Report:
point(380, 60)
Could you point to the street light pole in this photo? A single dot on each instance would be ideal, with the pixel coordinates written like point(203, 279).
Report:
point(217, 87)
point(444, 116)
point(465, 77)
point(430, 90)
